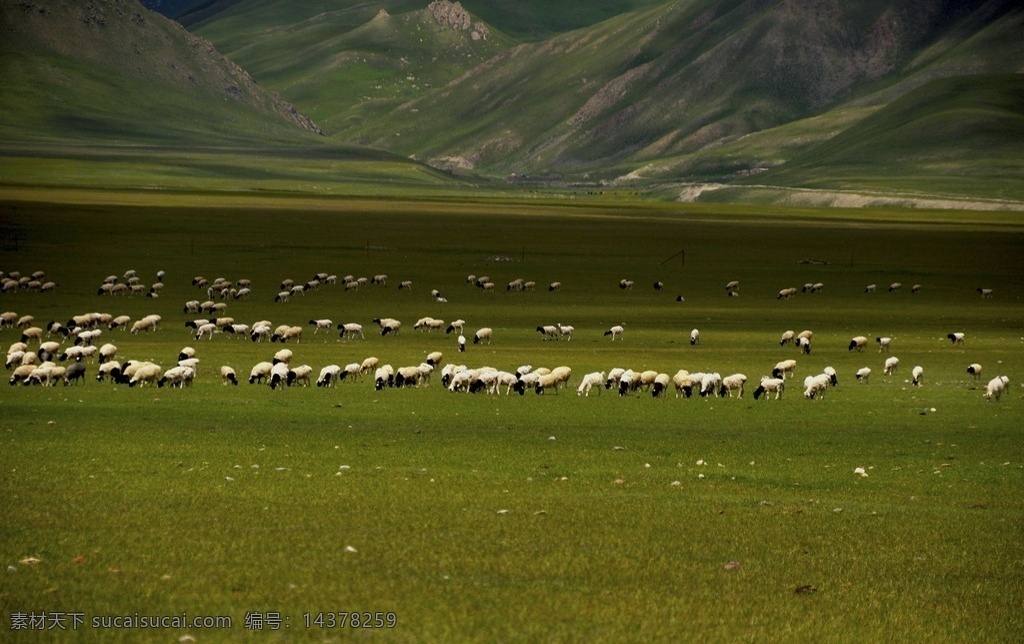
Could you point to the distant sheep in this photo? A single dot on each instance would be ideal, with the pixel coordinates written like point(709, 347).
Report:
point(566, 330)
point(858, 343)
point(456, 325)
point(322, 323)
point(889, 368)
point(731, 383)
point(558, 378)
point(787, 338)
point(957, 338)
point(870, 288)
point(784, 369)
point(815, 386)
point(975, 370)
point(694, 337)
point(883, 344)
point(917, 373)
point(548, 332)
point(300, 375)
point(260, 372)
point(995, 388)
point(786, 293)
point(227, 374)
point(863, 374)
point(328, 376)
point(483, 335)
point(388, 325)
point(770, 385)
point(616, 330)
point(895, 286)
point(589, 381)
point(985, 292)
point(351, 330)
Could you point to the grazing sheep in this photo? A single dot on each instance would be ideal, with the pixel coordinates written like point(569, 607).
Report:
point(784, 368)
point(74, 374)
point(589, 381)
point(566, 330)
point(863, 374)
point(918, 375)
point(179, 377)
point(462, 343)
point(734, 382)
point(975, 370)
point(628, 382)
point(786, 293)
point(428, 323)
point(456, 325)
point(227, 374)
point(548, 332)
point(661, 384)
point(260, 372)
point(787, 337)
point(694, 337)
point(284, 355)
point(32, 333)
point(369, 364)
point(626, 285)
point(683, 383)
point(804, 344)
point(554, 286)
point(322, 323)
point(388, 325)
point(22, 373)
point(434, 358)
point(870, 288)
point(769, 385)
point(916, 288)
point(558, 378)
point(7, 319)
point(285, 333)
point(615, 331)
point(858, 343)
point(299, 375)
point(889, 368)
point(146, 373)
point(111, 369)
point(612, 381)
point(985, 292)
point(895, 286)
point(208, 329)
point(351, 330)
point(328, 376)
point(815, 386)
point(279, 375)
point(956, 338)
point(883, 344)
point(732, 286)
point(996, 387)
point(711, 385)
point(149, 323)
point(483, 335)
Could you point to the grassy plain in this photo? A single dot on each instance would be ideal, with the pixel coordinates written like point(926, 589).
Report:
point(534, 518)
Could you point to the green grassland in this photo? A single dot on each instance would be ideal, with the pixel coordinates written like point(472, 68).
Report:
point(539, 517)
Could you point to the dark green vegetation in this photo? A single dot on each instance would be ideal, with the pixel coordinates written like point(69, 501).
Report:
point(899, 101)
point(553, 517)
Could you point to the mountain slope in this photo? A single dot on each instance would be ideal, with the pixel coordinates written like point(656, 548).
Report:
point(118, 73)
point(686, 77)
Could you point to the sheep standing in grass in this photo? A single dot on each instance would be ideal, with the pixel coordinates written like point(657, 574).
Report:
point(388, 325)
point(616, 330)
point(769, 385)
point(557, 379)
point(384, 376)
point(694, 337)
point(956, 338)
point(483, 335)
point(328, 376)
point(589, 381)
point(227, 374)
point(995, 388)
point(300, 375)
point(985, 292)
point(975, 370)
point(731, 383)
point(863, 374)
point(565, 330)
point(260, 372)
point(784, 369)
point(815, 386)
point(322, 323)
point(351, 330)
point(889, 368)
point(147, 373)
point(548, 332)
point(683, 383)
point(787, 337)
point(917, 373)
point(858, 343)
point(883, 344)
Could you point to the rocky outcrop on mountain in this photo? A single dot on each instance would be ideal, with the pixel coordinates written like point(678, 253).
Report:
point(455, 16)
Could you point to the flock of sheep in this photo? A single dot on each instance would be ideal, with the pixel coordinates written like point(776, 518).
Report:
point(50, 361)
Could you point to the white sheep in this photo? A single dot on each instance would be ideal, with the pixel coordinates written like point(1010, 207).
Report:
point(429, 323)
point(815, 386)
point(975, 370)
point(784, 369)
point(883, 344)
point(456, 325)
point(612, 381)
point(996, 387)
point(279, 375)
point(732, 286)
point(787, 337)
point(616, 330)
point(711, 385)
point(119, 322)
point(661, 384)
point(895, 286)
point(917, 373)
point(554, 286)
point(558, 378)
point(227, 374)
point(956, 338)
point(786, 293)
point(735, 382)
point(483, 335)
point(589, 381)
point(434, 358)
point(985, 292)
point(369, 364)
point(300, 375)
point(548, 332)
point(351, 330)
point(769, 385)
point(208, 329)
point(383, 376)
point(683, 383)
point(565, 330)
point(178, 376)
point(388, 325)
point(858, 343)
point(328, 376)
point(462, 343)
point(863, 374)
point(694, 337)
point(629, 381)
point(351, 372)
point(284, 355)
point(145, 373)
point(870, 288)
point(287, 333)
point(110, 369)
point(889, 368)
point(321, 323)
point(260, 372)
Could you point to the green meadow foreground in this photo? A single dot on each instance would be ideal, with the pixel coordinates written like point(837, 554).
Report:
point(417, 514)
